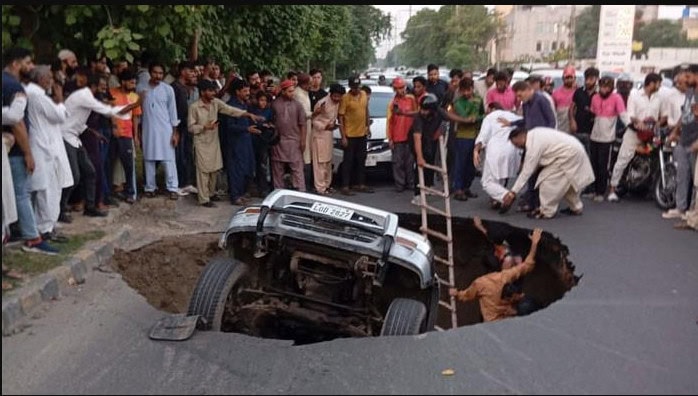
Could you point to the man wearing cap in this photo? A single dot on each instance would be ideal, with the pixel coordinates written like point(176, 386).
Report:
point(290, 123)
point(354, 122)
point(563, 98)
point(565, 172)
point(398, 127)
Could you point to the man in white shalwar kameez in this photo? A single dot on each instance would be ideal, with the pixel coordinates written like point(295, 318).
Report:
point(565, 169)
point(502, 158)
point(160, 135)
point(52, 172)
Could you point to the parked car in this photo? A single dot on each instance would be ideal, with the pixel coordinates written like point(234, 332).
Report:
point(379, 155)
point(318, 265)
point(556, 75)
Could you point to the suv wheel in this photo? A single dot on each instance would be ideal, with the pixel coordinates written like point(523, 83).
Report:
point(404, 317)
point(217, 282)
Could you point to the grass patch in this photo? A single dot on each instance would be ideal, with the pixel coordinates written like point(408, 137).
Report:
point(31, 264)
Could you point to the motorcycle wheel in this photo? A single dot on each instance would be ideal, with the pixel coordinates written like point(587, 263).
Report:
point(665, 197)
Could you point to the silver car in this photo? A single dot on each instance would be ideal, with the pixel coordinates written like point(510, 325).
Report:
point(322, 266)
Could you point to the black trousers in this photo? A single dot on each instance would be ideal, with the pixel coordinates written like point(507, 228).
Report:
point(83, 171)
point(429, 153)
point(354, 162)
point(184, 158)
point(599, 154)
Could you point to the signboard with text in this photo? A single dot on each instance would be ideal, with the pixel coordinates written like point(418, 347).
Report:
point(615, 42)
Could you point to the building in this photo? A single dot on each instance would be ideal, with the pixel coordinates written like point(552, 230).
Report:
point(533, 32)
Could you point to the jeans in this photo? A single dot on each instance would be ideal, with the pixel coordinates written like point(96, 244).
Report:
point(685, 163)
point(25, 212)
point(463, 167)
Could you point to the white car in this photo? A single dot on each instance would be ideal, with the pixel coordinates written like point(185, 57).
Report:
point(556, 75)
point(378, 149)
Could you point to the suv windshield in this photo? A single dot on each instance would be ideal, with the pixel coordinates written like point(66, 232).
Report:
point(378, 105)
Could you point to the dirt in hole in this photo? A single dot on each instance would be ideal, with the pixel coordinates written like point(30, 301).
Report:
point(166, 272)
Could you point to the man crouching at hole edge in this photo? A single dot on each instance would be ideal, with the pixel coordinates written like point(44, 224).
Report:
point(498, 298)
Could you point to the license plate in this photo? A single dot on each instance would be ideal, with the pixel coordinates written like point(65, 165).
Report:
point(332, 211)
point(371, 161)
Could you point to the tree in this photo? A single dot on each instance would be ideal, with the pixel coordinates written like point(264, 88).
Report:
point(586, 36)
point(250, 37)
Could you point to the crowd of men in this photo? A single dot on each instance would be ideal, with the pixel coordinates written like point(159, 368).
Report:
point(550, 143)
point(72, 133)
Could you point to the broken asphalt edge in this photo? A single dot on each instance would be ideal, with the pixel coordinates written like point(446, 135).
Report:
point(52, 285)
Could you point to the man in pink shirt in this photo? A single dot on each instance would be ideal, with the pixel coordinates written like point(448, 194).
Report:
point(607, 107)
point(563, 98)
point(502, 93)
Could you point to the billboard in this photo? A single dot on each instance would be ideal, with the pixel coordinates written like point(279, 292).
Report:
point(615, 42)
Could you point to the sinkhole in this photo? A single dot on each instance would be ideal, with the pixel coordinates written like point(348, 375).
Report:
point(309, 293)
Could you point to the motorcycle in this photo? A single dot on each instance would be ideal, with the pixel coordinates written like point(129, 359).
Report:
point(652, 172)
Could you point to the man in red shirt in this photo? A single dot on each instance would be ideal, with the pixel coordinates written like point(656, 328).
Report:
point(398, 128)
point(126, 131)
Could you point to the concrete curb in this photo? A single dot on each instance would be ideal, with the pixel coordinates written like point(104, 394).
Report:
point(51, 285)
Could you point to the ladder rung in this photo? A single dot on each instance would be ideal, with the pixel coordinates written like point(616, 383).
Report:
point(446, 305)
point(436, 210)
point(438, 193)
point(442, 261)
point(443, 282)
point(434, 168)
point(436, 234)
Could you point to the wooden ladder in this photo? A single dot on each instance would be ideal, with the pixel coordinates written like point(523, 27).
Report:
point(434, 235)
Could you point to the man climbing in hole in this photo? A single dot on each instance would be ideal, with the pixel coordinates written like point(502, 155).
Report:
point(498, 293)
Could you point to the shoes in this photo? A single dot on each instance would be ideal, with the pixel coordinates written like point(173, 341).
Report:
point(364, 189)
point(598, 198)
point(110, 201)
point(612, 197)
point(65, 218)
point(129, 200)
point(570, 212)
point(149, 194)
point(238, 202)
point(54, 237)
point(672, 214)
point(78, 207)
point(208, 204)
point(94, 212)
point(215, 198)
point(460, 196)
point(588, 195)
point(346, 191)
point(470, 194)
point(182, 192)
point(42, 247)
point(174, 196)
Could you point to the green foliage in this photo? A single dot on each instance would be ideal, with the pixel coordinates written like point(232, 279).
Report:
point(586, 36)
point(662, 33)
point(246, 37)
point(448, 38)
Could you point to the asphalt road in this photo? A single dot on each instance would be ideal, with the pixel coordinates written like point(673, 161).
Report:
point(630, 327)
